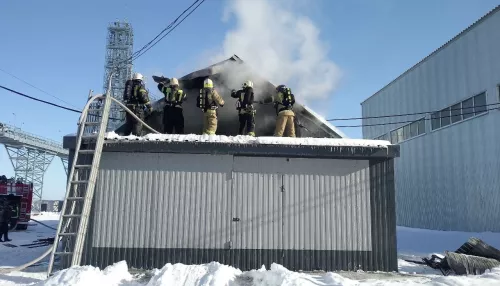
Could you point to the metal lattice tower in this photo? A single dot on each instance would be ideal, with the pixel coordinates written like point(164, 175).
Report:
point(30, 156)
point(119, 48)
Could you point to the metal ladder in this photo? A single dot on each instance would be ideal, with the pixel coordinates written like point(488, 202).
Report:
point(73, 224)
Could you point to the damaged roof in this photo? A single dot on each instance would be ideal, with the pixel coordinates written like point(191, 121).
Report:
point(230, 74)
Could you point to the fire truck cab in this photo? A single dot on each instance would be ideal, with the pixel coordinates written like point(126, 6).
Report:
point(19, 197)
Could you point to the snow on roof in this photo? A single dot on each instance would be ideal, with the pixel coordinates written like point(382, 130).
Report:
point(240, 139)
point(323, 120)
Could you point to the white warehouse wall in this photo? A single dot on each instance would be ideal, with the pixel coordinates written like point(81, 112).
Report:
point(447, 178)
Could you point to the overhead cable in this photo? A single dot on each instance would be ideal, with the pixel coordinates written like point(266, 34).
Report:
point(339, 126)
point(168, 27)
point(62, 100)
point(400, 114)
point(173, 28)
point(423, 118)
point(48, 102)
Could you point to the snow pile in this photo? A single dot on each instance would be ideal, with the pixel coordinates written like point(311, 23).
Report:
point(212, 274)
point(279, 275)
point(116, 274)
point(240, 139)
point(215, 274)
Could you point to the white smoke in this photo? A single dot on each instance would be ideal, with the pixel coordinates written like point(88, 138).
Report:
point(280, 46)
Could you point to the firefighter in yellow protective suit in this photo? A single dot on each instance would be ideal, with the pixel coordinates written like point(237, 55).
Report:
point(283, 103)
point(209, 101)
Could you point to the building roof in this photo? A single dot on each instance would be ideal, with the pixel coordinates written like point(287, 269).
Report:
point(228, 75)
point(331, 148)
point(463, 32)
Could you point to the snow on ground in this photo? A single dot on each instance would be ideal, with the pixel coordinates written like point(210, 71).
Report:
point(15, 256)
point(240, 139)
point(412, 244)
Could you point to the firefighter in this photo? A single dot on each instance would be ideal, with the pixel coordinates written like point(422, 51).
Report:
point(209, 101)
point(173, 117)
point(246, 110)
point(5, 216)
point(283, 103)
point(136, 97)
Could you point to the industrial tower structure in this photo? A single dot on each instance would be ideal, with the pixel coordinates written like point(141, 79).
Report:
point(119, 48)
point(30, 156)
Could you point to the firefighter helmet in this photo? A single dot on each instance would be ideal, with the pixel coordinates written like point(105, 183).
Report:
point(174, 81)
point(208, 83)
point(137, 76)
point(280, 87)
point(248, 83)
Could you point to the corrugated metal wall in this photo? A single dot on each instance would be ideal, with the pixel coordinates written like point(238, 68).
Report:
point(448, 178)
point(306, 214)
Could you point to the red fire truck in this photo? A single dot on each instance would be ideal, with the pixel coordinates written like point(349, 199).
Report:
point(20, 196)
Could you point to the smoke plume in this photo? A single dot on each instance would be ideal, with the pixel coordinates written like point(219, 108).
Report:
point(280, 46)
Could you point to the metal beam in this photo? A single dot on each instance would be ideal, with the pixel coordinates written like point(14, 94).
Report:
point(65, 164)
point(14, 136)
point(30, 156)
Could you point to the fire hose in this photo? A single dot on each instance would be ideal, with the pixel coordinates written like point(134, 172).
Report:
point(85, 111)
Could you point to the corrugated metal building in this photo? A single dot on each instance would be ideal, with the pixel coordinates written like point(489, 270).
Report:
point(330, 206)
point(448, 175)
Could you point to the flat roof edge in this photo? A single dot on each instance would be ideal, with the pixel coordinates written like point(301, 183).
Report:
point(223, 148)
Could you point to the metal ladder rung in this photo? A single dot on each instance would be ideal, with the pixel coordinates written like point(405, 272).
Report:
point(83, 166)
point(90, 123)
point(80, 182)
point(86, 151)
point(75, 198)
point(67, 234)
point(72, 215)
point(63, 253)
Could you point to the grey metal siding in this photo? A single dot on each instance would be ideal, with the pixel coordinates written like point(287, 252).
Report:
point(257, 207)
point(448, 178)
point(307, 214)
point(159, 198)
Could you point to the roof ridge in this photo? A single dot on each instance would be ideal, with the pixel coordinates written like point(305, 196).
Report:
point(464, 31)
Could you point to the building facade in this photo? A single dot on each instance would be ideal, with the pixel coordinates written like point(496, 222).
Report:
point(447, 176)
point(308, 207)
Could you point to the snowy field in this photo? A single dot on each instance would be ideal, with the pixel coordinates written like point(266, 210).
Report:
point(412, 244)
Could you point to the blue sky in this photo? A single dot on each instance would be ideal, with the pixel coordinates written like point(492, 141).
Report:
point(59, 47)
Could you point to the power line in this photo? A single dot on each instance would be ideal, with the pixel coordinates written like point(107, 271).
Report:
point(339, 126)
point(62, 100)
point(168, 27)
point(173, 28)
point(400, 114)
point(411, 121)
point(150, 44)
point(39, 100)
point(50, 103)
